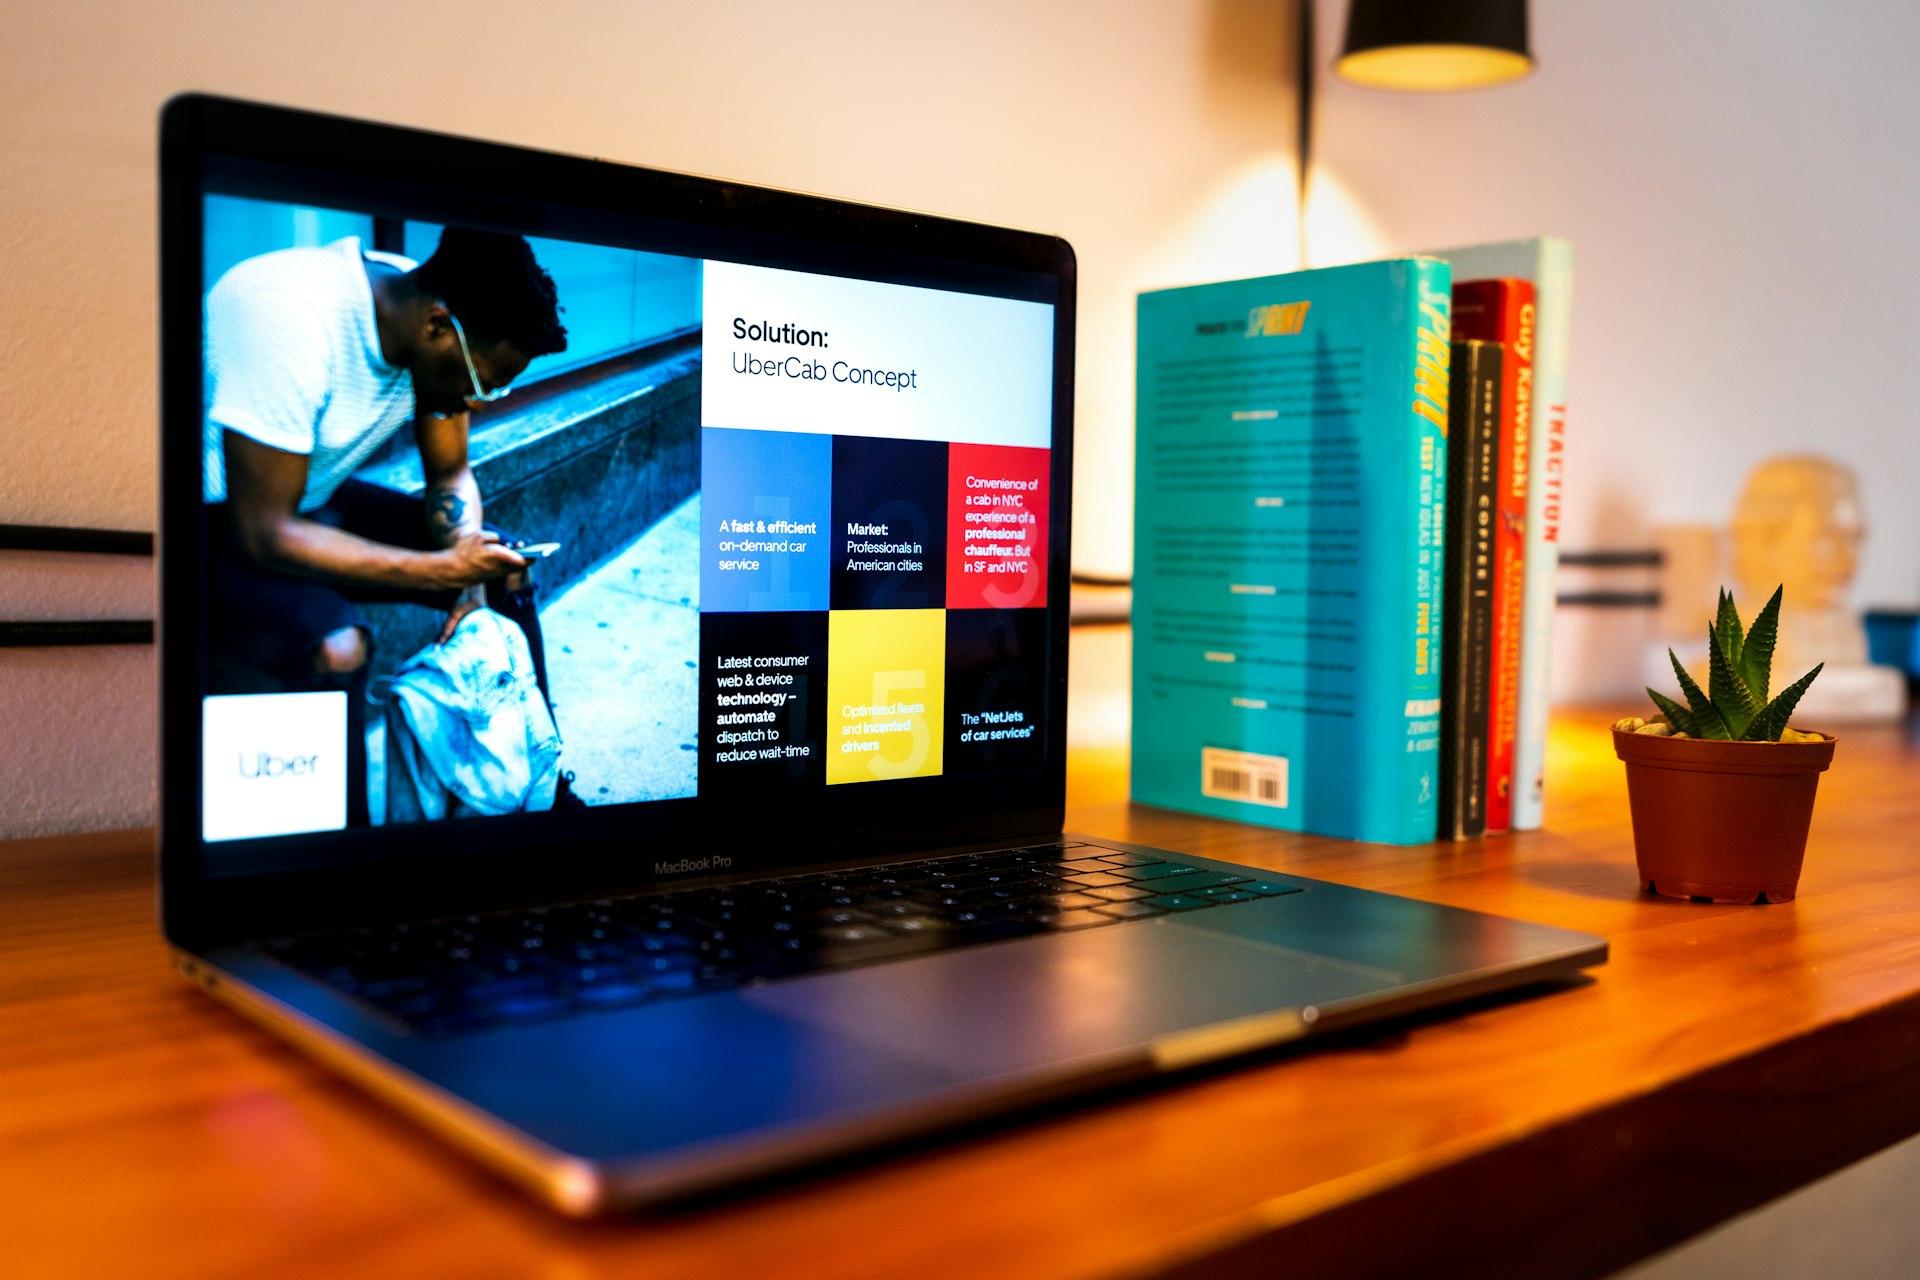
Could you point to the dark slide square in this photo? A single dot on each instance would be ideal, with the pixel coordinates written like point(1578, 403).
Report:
point(763, 700)
point(996, 688)
point(889, 523)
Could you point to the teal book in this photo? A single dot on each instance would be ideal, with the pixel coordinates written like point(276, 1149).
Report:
point(1290, 479)
point(1548, 263)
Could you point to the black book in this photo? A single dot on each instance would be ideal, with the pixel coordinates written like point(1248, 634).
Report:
point(1466, 649)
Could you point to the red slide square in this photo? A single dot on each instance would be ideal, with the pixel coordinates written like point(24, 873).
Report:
point(996, 527)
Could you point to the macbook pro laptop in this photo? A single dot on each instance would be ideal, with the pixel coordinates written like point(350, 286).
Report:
point(653, 778)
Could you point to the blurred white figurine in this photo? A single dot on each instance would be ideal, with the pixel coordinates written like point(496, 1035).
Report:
point(1799, 524)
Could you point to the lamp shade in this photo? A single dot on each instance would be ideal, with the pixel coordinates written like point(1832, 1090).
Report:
point(1435, 45)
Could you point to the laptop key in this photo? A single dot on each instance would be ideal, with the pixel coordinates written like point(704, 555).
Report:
point(1093, 880)
point(1177, 902)
point(1159, 870)
point(1268, 889)
point(522, 963)
point(1119, 893)
point(987, 913)
point(899, 907)
point(852, 934)
point(1128, 910)
point(1129, 859)
point(1085, 864)
point(662, 962)
point(1196, 880)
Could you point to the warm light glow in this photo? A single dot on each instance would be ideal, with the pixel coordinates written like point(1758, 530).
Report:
point(1241, 224)
point(1428, 68)
point(1339, 227)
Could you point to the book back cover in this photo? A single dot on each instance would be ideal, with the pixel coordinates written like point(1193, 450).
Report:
point(1290, 477)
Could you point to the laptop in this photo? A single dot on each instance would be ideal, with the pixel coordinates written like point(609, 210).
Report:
point(653, 779)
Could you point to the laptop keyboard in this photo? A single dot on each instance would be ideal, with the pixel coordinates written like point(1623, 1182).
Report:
point(449, 976)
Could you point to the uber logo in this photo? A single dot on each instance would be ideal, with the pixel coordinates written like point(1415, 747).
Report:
point(273, 764)
point(266, 766)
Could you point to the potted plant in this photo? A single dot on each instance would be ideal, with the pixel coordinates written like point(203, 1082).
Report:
point(1721, 789)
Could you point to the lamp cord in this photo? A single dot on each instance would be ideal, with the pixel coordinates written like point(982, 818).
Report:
point(1303, 143)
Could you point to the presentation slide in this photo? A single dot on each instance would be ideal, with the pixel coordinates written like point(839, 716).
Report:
point(818, 557)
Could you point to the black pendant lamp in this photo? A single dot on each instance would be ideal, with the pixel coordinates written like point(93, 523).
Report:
point(1435, 45)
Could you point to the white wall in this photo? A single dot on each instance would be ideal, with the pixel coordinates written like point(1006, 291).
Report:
point(1741, 183)
point(1154, 134)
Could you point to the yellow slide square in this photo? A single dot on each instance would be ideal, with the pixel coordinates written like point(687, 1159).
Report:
point(886, 693)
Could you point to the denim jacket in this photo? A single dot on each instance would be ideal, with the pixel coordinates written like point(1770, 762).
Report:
point(467, 730)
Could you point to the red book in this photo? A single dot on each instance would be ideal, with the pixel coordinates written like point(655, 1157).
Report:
point(1502, 311)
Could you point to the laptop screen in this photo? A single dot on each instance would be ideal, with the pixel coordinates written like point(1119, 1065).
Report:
point(569, 524)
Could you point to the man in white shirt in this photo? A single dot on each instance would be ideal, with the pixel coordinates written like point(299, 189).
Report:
point(315, 358)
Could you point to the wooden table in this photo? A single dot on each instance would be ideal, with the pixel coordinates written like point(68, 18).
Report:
point(1724, 1055)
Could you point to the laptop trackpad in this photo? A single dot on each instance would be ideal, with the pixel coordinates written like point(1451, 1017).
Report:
point(1016, 1006)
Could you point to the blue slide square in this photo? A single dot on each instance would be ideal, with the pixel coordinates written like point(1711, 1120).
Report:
point(765, 499)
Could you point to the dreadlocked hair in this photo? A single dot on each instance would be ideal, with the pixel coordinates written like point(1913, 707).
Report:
point(492, 283)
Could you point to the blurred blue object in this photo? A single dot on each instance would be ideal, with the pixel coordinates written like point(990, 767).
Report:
point(1893, 639)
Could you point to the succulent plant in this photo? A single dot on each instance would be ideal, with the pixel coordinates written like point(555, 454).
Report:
point(1735, 705)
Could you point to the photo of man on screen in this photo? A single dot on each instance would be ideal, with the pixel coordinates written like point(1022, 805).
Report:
point(315, 357)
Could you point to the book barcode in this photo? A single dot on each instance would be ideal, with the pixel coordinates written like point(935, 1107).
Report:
point(1242, 775)
point(1232, 781)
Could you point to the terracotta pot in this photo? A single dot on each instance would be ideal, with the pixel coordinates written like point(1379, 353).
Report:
point(1725, 821)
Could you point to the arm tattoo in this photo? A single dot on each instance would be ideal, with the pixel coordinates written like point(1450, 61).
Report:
point(445, 511)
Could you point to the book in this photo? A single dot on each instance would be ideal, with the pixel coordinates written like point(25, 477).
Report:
point(1288, 548)
point(1501, 310)
point(1473, 446)
point(1548, 262)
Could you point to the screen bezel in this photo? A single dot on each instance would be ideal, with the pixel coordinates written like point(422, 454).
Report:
point(211, 143)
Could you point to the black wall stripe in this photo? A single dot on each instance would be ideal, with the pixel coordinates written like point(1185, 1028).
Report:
point(44, 537)
point(42, 635)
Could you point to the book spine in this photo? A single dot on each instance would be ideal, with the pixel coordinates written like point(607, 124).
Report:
point(1553, 285)
point(1509, 585)
point(1414, 804)
point(1472, 469)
